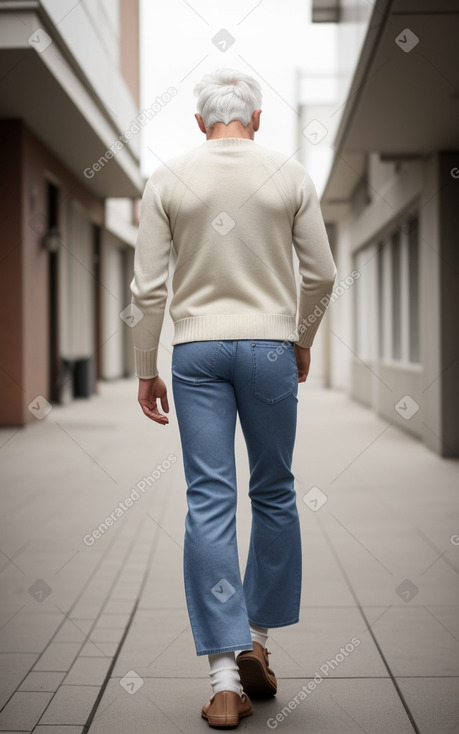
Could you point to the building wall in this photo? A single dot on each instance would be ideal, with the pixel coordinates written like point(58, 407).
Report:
point(449, 272)
point(77, 293)
point(113, 302)
point(340, 312)
point(393, 194)
point(129, 47)
point(55, 305)
point(129, 360)
point(11, 284)
point(93, 33)
point(28, 166)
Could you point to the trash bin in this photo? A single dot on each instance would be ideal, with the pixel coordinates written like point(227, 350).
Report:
point(83, 380)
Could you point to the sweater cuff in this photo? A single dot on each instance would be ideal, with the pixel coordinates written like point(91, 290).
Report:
point(306, 333)
point(145, 363)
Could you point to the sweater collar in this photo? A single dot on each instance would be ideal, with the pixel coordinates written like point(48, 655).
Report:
point(229, 143)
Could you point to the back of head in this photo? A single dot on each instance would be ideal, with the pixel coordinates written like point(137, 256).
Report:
point(225, 95)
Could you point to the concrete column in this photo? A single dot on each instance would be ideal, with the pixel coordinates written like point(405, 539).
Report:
point(429, 247)
point(448, 174)
point(11, 282)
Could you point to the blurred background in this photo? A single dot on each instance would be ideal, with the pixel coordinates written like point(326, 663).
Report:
point(94, 95)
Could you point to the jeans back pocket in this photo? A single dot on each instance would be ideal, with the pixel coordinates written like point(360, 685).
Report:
point(274, 370)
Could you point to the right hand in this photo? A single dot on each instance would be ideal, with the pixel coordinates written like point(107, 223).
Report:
point(150, 390)
point(303, 360)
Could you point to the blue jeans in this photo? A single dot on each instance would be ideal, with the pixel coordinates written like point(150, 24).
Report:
point(212, 382)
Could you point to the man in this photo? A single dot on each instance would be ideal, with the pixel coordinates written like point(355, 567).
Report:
point(242, 342)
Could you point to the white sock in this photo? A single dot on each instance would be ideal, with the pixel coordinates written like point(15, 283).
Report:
point(259, 634)
point(224, 673)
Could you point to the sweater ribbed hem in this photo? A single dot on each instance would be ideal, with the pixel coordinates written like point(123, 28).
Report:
point(235, 326)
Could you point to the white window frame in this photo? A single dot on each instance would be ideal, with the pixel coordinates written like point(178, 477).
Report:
point(369, 349)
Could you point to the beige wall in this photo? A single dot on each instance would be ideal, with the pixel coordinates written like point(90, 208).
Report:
point(24, 274)
point(129, 46)
point(113, 302)
point(426, 187)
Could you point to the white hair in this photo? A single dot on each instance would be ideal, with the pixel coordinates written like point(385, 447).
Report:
point(225, 95)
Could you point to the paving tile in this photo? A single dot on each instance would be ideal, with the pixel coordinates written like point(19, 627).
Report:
point(323, 583)
point(23, 710)
point(59, 730)
point(112, 621)
point(418, 641)
point(58, 656)
point(330, 637)
point(88, 671)
point(106, 634)
point(71, 705)
point(29, 631)
point(42, 681)
point(13, 668)
point(348, 706)
point(88, 607)
point(171, 652)
point(99, 649)
point(379, 513)
point(433, 703)
point(71, 631)
point(164, 587)
point(117, 606)
point(377, 568)
point(84, 624)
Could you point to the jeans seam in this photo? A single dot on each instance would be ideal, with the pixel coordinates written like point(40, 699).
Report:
point(229, 648)
point(233, 360)
point(218, 349)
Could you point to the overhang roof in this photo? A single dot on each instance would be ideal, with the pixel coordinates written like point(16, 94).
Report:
point(402, 103)
point(46, 91)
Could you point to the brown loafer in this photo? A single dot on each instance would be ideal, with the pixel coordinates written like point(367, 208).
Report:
point(257, 678)
point(225, 708)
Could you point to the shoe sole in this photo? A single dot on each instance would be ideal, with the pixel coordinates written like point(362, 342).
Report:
point(231, 722)
point(253, 679)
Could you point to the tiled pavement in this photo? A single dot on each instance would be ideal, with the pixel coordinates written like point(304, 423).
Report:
point(96, 637)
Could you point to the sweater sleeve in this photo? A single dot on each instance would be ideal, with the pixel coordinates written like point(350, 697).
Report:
point(316, 265)
point(148, 287)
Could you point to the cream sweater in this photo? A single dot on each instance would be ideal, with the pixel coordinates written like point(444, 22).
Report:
point(231, 210)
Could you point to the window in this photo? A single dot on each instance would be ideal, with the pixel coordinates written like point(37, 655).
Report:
point(413, 289)
point(366, 308)
point(395, 280)
point(381, 319)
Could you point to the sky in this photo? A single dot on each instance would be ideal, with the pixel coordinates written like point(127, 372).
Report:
point(181, 40)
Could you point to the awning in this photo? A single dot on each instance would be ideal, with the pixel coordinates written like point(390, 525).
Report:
point(404, 99)
point(45, 90)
